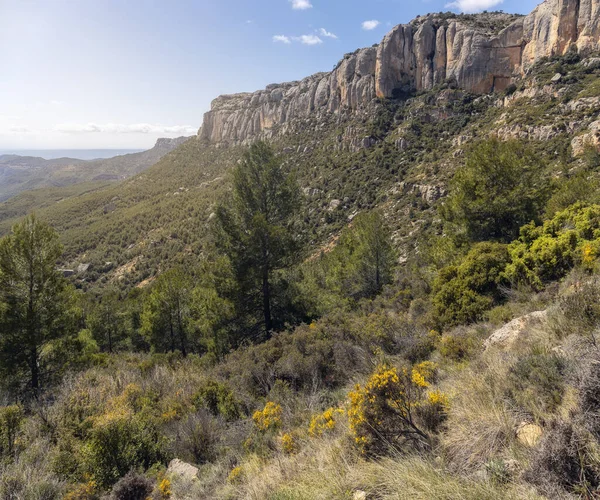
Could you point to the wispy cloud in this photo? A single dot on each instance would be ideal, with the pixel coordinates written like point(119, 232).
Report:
point(371, 25)
point(309, 39)
point(471, 6)
point(117, 128)
point(18, 129)
point(301, 4)
point(282, 39)
point(328, 34)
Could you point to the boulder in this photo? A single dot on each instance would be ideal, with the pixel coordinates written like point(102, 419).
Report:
point(182, 470)
point(506, 336)
point(529, 434)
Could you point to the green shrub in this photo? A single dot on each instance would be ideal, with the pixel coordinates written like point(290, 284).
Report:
point(463, 292)
point(119, 442)
point(218, 399)
point(11, 419)
point(547, 252)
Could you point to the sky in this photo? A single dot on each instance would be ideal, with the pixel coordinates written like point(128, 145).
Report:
point(121, 73)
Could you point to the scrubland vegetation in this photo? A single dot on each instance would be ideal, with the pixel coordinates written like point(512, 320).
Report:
point(293, 353)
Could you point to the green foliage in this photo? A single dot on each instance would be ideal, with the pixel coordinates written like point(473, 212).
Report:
point(463, 292)
point(500, 187)
point(578, 188)
point(107, 321)
point(38, 323)
point(11, 419)
point(547, 252)
point(218, 399)
point(359, 266)
point(119, 442)
point(256, 233)
point(166, 315)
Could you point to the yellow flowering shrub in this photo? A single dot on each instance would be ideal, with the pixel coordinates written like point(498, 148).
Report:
point(269, 418)
point(433, 410)
point(383, 413)
point(289, 444)
point(324, 422)
point(164, 489)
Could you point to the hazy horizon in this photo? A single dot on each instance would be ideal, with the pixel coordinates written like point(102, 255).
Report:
point(75, 153)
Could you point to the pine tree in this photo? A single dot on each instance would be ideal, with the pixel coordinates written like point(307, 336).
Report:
point(166, 313)
point(255, 231)
point(38, 302)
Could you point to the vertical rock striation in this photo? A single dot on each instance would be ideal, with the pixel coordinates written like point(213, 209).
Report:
point(417, 56)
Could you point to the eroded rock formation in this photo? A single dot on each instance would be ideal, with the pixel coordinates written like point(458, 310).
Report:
point(417, 56)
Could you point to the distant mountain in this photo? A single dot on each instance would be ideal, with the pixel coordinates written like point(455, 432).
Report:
point(24, 173)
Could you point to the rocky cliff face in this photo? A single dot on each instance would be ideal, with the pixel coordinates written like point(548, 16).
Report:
point(416, 56)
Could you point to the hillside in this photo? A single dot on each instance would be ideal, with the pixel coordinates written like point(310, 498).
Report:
point(376, 283)
point(26, 173)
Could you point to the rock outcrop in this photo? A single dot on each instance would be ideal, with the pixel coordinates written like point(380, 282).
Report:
point(431, 50)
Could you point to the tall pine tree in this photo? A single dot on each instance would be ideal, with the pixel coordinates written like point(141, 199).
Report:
point(255, 230)
point(37, 304)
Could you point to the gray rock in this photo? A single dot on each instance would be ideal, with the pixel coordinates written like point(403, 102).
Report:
point(556, 78)
point(182, 470)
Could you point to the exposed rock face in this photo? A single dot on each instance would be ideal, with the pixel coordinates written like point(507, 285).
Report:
point(415, 56)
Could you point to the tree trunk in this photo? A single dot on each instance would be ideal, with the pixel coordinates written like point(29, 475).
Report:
point(172, 334)
point(266, 289)
point(181, 334)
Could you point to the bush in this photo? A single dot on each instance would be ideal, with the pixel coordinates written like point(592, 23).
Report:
point(269, 418)
point(546, 253)
point(132, 487)
point(579, 310)
point(459, 344)
point(463, 292)
point(382, 414)
point(118, 443)
point(218, 399)
point(11, 419)
point(196, 438)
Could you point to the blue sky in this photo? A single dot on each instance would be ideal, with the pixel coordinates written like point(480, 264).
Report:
point(120, 73)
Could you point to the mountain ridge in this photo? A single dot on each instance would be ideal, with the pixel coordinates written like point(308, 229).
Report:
point(25, 173)
point(429, 51)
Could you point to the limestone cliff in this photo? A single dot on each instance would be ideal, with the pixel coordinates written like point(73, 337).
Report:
point(430, 50)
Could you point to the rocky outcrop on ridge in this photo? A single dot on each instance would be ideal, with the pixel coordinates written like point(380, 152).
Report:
point(417, 56)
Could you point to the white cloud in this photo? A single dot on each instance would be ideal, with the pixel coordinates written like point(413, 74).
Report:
point(282, 39)
point(328, 34)
point(371, 25)
point(309, 39)
point(117, 128)
point(301, 4)
point(18, 129)
point(471, 6)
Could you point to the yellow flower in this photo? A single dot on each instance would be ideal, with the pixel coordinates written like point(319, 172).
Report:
point(269, 417)
point(288, 443)
point(323, 422)
point(164, 489)
point(235, 475)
